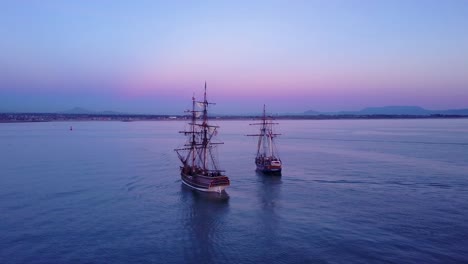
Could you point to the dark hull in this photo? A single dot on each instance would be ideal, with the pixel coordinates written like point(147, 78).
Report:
point(205, 183)
point(269, 169)
point(269, 165)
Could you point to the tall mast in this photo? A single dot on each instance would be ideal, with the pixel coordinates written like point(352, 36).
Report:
point(264, 133)
point(265, 145)
point(197, 151)
point(270, 142)
point(193, 143)
point(205, 129)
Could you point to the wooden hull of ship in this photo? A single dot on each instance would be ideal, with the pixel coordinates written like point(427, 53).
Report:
point(205, 183)
point(268, 169)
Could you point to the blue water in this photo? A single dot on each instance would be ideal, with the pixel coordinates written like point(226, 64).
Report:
point(352, 191)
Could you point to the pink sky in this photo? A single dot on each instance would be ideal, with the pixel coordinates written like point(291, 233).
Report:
point(151, 57)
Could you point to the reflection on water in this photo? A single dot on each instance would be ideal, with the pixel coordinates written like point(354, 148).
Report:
point(269, 189)
point(110, 192)
point(205, 217)
point(269, 195)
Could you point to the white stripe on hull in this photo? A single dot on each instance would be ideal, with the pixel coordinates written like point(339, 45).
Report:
point(217, 189)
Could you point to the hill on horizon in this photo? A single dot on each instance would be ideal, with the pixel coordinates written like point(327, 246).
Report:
point(384, 110)
point(393, 110)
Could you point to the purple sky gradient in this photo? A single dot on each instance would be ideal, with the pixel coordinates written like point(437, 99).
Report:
point(152, 56)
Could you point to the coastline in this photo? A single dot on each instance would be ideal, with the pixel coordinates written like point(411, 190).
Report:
point(53, 117)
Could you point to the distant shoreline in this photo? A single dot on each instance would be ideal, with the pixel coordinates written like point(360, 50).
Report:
point(55, 117)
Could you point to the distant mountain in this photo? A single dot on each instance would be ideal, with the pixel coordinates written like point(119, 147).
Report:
point(312, 112)
point(83, 111)
point(77, 110)
point(110, 113)
point(393, 110)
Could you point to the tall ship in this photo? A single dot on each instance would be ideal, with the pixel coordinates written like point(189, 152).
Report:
point(200, 169)
point(267, 159)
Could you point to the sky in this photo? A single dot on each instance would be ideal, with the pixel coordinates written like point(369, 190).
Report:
point(153, 56)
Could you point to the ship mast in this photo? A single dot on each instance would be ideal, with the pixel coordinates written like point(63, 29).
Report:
point(200, 133)
point(206, 134)
point(205, 129)
point(265, 138)
point(193, 143)
point(264, 133)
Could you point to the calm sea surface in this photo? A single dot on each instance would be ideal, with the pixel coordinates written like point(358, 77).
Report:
point(352, 191)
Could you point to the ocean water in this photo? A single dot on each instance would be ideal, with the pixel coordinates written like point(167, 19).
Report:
point(352, 191)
